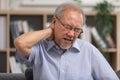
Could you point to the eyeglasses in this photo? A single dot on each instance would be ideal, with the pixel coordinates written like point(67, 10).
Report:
point(69, 27)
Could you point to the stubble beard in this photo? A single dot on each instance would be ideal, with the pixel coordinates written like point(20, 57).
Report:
point(64, 47)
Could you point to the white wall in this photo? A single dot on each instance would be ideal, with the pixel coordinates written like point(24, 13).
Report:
point(51, 4)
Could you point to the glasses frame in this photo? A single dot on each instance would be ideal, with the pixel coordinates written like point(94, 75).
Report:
point(68, 27)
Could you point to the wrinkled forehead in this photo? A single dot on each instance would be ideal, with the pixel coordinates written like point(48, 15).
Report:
point(75, 15)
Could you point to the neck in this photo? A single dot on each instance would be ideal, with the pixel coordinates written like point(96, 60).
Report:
point(60, 47)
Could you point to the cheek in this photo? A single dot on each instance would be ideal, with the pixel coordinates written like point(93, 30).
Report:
point(75, 37)
point(57, 34)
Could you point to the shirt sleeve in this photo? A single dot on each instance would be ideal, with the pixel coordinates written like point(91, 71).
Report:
point(19, 57)
point(101, 70)
point(34, 53)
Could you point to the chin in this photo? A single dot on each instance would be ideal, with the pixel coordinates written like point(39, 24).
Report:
point(65, 47)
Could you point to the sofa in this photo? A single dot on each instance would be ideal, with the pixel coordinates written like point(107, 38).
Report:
point(12, 76)
point(28, 75)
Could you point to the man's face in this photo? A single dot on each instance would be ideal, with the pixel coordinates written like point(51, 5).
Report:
point(67, 28)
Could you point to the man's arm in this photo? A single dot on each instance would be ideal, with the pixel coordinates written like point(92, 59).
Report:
point(25, 42)
point(101, 69)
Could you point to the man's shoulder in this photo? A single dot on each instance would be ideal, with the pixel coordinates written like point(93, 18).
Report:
point(82, 42)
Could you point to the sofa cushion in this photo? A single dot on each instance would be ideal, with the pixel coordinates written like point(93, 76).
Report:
point(12, 76)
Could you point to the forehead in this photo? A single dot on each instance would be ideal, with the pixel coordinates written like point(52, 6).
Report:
point(73, 16)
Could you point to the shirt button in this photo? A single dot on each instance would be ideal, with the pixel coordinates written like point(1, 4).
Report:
point(62, 71)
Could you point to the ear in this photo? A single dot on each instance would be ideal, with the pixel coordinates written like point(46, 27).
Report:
point(52, 26)
point(53, 22)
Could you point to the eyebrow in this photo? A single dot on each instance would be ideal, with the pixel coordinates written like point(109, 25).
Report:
point(67, 24)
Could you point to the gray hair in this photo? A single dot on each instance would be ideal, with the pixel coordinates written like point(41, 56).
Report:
point(59, 12)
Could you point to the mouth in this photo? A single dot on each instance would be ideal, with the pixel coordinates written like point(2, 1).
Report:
point(68, 39)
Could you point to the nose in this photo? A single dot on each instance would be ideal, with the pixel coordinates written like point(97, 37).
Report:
point(71, 33)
